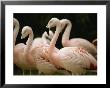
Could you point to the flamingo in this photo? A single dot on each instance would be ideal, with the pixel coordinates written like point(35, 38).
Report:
point(75, 42)
point(22, 57)
point(73, 59)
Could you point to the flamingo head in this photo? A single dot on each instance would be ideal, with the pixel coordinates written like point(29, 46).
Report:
point(53, 22)
point(25, 31)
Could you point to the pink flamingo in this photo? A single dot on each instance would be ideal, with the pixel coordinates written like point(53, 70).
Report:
point(22, 58)
point(75, 42)
point(73, 59)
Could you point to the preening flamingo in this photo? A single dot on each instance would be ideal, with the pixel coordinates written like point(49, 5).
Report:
point(73, 59)
point(75, 42)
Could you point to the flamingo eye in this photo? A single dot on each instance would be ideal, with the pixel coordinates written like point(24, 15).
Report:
point(51, 21)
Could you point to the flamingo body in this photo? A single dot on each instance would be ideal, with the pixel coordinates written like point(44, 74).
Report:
point(22, 58)
point(82, 43)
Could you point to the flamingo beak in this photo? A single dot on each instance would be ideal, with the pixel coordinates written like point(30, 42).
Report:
point(48, 29)
point(46, 26)
point(22, 36)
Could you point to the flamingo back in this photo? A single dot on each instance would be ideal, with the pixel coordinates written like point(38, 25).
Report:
point(75, 59)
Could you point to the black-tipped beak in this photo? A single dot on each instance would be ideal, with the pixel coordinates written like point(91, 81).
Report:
point(46, 26)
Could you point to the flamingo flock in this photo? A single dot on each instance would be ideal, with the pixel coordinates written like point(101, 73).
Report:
point(75, 58)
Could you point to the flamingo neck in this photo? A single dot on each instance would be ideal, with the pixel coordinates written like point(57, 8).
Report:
point(29, 43)
point(67, 31)
point(53, 51)
point(15, 33)
point(54, 39)
point(44, 35)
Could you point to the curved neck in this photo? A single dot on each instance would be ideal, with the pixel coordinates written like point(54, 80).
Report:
point(15, 33)
point(54, 39)
point(29, 42)
point(67, 31)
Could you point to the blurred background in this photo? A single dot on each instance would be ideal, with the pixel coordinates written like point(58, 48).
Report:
point(84, 25)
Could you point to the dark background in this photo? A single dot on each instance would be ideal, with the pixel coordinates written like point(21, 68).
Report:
point(84, 25)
